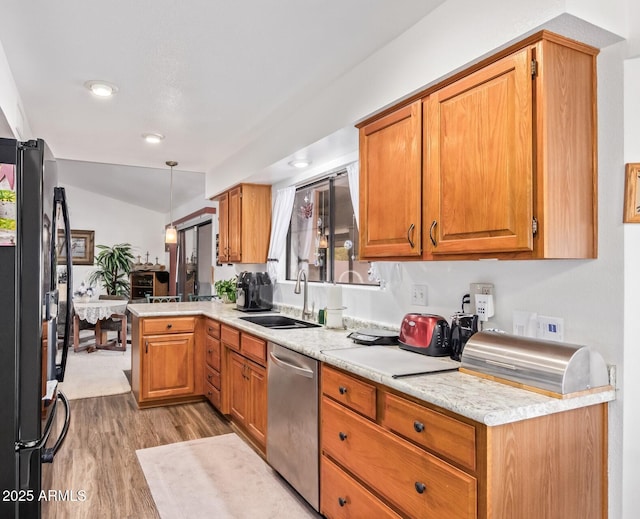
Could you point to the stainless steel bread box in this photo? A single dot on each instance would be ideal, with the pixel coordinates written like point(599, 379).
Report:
point(552, 367)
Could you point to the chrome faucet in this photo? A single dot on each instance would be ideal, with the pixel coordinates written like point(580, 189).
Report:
point(305, 309)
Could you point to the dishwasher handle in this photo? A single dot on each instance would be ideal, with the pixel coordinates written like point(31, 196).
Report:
point(303, 372)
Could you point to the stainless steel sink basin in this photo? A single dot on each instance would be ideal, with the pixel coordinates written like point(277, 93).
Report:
point(279, 322)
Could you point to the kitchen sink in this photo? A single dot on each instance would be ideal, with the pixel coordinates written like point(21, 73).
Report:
point(279, 322)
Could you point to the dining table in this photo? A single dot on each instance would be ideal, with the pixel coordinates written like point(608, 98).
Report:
point(96, 312)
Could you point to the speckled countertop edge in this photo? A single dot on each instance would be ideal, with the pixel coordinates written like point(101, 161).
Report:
point(484, 401)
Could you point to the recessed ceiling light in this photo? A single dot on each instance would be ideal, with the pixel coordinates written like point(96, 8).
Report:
point(152, 138)
point(101, 88)
point(299, 163)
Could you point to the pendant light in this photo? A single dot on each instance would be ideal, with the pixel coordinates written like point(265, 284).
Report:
point(171, 233)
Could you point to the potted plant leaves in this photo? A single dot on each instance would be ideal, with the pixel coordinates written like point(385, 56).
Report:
point(114, 265)
point(226, 289)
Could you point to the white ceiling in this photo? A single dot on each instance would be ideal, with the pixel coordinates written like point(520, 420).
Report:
point(211, 75)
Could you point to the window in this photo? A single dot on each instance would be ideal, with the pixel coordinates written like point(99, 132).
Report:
point(323, 235)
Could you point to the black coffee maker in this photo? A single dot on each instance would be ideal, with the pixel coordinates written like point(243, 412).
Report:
point(254, 292)
point(463, 326)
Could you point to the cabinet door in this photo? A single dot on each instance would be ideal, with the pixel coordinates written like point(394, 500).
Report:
point(223, 228)
point(238, 397)
point(257, 419)
point(479, 167)
point(168, 366)
point(235, 224)
point(391, 185)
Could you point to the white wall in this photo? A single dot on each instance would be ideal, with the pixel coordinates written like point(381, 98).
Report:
point(588, 294)
point(631, 427)
point(114, 222)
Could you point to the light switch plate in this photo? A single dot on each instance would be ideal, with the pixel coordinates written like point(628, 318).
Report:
point(419, 295)
point(550, 328)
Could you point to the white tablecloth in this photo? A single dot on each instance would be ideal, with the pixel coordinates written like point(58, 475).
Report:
point(93, 311)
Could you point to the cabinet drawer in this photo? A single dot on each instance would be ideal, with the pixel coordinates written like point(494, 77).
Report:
point(213, 328)
point(230, 337)
point(349, 391)
point(213, 352)
point(253, 348)
point(212, 377)
point(416, 482)
point(342, 497)
point(168, 325)
point(447, 436)
point(213, 395)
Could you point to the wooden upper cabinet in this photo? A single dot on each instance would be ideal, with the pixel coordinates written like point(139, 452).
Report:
point(507, 156)
point(223, 226)
point(235, 225)
point(478, 174)
point(510, 169)
point(244, 224)
point(391, 185)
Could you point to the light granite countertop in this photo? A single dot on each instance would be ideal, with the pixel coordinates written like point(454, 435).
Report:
point(484, 401)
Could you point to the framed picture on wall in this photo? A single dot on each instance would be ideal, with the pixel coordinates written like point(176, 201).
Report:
point(82, 247)
point(632, 194)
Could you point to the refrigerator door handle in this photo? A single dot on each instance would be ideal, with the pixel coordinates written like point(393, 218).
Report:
point(60, 197)
point(48, 454)
point(30, 445)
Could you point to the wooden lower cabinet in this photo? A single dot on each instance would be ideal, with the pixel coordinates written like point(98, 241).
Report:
point(343, 498)
point(247, 387)
point(166, 361)
point(412, 480)
point(213, 363)
point(168, 366)
point(408, 459)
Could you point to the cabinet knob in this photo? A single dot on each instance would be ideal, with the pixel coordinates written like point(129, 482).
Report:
point(169, 325)
point(420, 487)
point(343, 436)
point(342, 390)
point(209, 376)
point(418, 426)
point(210, 329)
point(342, 501)
point(209, 351)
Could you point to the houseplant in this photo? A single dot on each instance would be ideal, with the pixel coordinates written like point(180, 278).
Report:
point(114, 265)
point(226, 289)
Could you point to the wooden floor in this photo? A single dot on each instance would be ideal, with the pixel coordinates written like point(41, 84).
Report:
point(99, 455)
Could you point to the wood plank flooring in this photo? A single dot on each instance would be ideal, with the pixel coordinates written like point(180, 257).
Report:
point(99, 458)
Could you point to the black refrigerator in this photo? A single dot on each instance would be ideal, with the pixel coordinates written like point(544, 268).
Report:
point(34, 247)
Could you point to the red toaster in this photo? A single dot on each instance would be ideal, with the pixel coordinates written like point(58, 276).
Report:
point(425, 333)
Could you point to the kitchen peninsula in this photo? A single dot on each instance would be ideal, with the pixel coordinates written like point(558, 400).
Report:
point(447, 443)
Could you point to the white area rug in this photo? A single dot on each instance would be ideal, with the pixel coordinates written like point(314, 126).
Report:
point(99, 373)
point(218, 477)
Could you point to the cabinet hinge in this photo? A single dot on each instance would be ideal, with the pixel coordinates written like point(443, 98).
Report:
point(534, 226)
point(534, 68)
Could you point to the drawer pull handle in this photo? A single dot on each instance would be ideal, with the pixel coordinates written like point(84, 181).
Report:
point(342, 390)
point(420, 487)
point(169, 325)
point(342, 501)
point(418, 426)
point(343, 436)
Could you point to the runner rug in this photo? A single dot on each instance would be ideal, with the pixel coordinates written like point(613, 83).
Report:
point(219, 477)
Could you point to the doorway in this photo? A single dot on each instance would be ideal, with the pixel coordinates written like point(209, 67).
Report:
point(194, 260)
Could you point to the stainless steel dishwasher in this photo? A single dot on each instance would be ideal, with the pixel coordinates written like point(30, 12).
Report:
point(292, 420)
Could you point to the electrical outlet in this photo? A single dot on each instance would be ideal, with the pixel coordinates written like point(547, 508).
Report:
point(479, 288)
point(419, 295)
point(484, 306)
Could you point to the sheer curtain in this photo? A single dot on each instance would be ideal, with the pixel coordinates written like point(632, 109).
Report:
point(353, 173)
point(281, 216)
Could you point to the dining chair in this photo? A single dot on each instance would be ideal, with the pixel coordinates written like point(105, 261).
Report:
point(164, 299)
point(196, 297)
